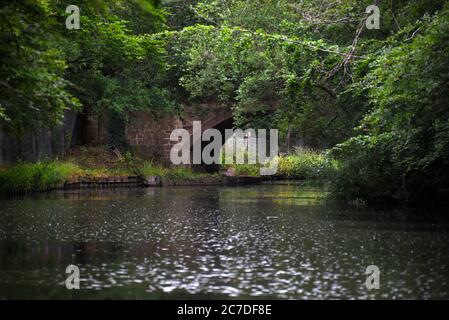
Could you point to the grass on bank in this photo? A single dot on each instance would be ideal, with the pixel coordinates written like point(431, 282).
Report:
point(94, 163)
point(302, 163)
point(90, 162)
point(307, 164)
point(39, 176)
point(148, 168)
point(47, 175)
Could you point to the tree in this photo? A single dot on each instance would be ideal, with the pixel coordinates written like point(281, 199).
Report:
point(33, 90)
point(402, 149)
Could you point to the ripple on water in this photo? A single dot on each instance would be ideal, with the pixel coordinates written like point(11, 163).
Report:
point(223, 242)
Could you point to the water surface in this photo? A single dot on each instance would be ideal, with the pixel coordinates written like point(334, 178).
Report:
point(267, 241)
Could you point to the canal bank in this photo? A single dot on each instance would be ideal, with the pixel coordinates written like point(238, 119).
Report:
point(160, 181)
point(102, 168)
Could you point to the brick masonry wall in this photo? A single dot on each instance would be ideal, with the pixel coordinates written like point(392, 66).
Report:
point(149, 135)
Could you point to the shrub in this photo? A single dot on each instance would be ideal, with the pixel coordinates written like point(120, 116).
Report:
point(307, 164)
point(367, 170)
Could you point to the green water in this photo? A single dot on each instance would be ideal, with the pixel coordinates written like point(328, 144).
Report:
point(267, 241)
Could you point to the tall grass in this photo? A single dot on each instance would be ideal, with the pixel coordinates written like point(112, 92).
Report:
point(150, 169)
point(246, 169)
point(45, 175)
point(243, 169)
point(39, 176)
point(302, 163)
point(305, 163)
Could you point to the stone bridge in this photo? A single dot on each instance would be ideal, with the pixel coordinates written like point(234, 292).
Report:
point(149, 135)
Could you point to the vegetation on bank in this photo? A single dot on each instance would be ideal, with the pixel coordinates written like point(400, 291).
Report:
point(307, 164)
point(89, 162)
point(39, 176)
point(49, 174)
point(301, 163)
point(101, 163)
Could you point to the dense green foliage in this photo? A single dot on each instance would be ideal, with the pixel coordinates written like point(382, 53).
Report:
point(403, 141)
point(109, 64)
point(32, 84)
point(377, 99)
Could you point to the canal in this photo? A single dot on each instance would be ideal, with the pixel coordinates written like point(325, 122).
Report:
point(266, 241)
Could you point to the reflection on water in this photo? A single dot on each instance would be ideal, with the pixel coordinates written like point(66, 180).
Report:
point(267, 241)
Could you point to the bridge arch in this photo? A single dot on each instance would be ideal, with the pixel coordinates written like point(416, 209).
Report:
point(149, 134)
